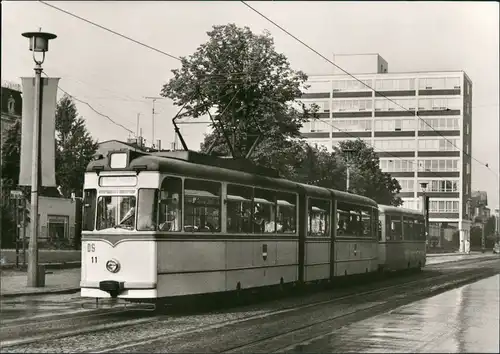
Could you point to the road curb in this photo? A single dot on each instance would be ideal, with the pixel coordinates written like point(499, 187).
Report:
point(64, 265)
point(444, 254)
point(48, 292)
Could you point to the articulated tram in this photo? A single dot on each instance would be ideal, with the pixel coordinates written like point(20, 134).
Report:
point(401, 239)
point(169, 224)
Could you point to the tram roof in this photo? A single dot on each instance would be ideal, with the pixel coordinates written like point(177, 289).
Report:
point(197, 165)
point(321, 192)
point(389, 209)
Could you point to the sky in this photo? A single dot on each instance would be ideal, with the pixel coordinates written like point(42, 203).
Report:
point(115, 75)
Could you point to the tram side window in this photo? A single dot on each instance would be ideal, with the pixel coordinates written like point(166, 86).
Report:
point(318, 217)
point(388, 228)
point(353, 220)
point(147, 209)
point(202, 206)
point(395, 227)
point(239, 209)
point(170, 204)
point(89, 204)
point(287, 213)
point(408, 232)
point(367, 226)
point(264, 211)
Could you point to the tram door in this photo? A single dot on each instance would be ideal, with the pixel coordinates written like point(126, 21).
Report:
point(302, 235)
point(333, 236)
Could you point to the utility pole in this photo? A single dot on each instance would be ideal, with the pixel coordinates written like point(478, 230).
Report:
point(137, 130)
point(153, 117)
point(39, 42)
point(348, 153)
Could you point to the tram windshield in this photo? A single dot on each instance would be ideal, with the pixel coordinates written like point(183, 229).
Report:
point(116, 212)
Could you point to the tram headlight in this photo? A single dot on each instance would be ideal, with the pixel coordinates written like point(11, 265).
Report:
point(113, 266)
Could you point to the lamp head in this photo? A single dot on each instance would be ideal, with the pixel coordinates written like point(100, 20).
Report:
point(39, 41)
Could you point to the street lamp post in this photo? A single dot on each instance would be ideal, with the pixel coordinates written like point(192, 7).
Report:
point(348, 156)
point(39, 42)
point(425, 208)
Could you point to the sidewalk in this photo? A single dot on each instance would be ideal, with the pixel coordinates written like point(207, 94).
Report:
point(13, 282)
point(457, 253)
point(447, 257)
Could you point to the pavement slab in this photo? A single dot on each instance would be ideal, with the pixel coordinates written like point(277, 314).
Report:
point(13, 282)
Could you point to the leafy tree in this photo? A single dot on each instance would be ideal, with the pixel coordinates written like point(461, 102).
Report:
point(366, 178)
point(321, 168)
point(74, 150)
point(241, 74)
point(11, 151)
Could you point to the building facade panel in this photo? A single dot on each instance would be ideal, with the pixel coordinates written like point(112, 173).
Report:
point(419, 124)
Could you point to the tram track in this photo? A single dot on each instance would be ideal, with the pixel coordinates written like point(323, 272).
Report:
point(99, 323)
point(193, 335)
point(299, 336)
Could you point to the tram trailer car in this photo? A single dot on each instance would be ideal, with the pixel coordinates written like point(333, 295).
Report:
point(172, 224)
point(402, 239)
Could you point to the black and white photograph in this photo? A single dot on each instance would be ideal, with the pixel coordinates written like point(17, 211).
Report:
point(250, 177)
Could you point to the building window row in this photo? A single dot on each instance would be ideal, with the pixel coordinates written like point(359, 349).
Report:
point(439, 103)
point(395, 145)
point(319, 86)
point(411, 204)
point(323, 106)
point(352, 125)
point(395, 84)
point(407, 185)
point(442, 206)
point(438, 165)
point(352, 105)
point(440, 123)
point(443, 186)
point(385, 125)
point(439, 83)
point(318, 125)
point(423, 104)
point(355, 105)
point(438, 144)
point(396, 165)
point(395, 104)
point(352, 85)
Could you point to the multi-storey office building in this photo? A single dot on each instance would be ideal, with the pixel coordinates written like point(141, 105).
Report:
point(428, 140)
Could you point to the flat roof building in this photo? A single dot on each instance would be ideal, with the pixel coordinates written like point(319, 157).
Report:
point(428, 140)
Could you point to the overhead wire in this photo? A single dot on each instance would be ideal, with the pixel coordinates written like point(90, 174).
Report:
point(223, 77)
point(362, 82)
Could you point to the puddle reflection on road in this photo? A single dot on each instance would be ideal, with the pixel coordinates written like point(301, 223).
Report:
point(462, 320)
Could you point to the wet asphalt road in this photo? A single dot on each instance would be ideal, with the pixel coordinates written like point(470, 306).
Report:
point(263, 327)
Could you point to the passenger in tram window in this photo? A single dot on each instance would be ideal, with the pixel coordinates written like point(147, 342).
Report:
point(341, 228)
point(362, 229)
point(351, 225)
point(258, 219)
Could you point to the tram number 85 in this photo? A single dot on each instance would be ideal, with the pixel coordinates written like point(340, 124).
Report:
point(91, 248)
